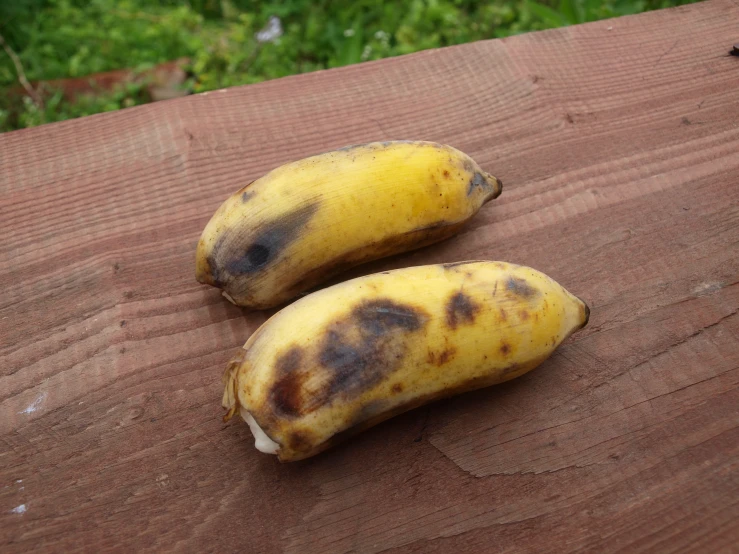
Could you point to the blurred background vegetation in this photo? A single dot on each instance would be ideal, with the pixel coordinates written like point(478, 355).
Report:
point(50, 48)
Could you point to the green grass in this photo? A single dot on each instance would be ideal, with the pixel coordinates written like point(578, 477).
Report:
point(56, 39)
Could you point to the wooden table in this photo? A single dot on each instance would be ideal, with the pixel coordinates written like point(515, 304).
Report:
point(618, 143)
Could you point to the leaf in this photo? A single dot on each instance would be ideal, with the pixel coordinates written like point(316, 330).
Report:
point(629, 7)
point(569, 8)
point(547, 15)
point(351, 49)
point(593, 9)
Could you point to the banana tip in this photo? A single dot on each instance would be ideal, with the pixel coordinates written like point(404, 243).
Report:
point(498, 187)
point(586, 317)
point(203, 273)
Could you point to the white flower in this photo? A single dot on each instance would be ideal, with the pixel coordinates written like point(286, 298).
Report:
point(348, 32)
point(366, 52)
point(383, 37)
point(271, 31)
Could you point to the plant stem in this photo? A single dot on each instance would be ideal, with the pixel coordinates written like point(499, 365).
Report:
point(21, 74)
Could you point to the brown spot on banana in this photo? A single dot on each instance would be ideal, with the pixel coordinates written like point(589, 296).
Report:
point(367, 346)
point(441, 358)
point(268, 244)
point(233, 257)
point(289, 394)
point(461, 309)
point(300, 440)
point(355, 353)
point(521, 287)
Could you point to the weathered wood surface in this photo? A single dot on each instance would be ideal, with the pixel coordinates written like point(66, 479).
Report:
point(618, 143)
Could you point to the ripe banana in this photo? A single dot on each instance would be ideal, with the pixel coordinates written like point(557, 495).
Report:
point(347, 357)
point(308, 220)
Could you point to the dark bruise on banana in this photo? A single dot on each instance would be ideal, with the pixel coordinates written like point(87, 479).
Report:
point(356, 352)
point(306, 221)
point(235, 256)
point(350, 356)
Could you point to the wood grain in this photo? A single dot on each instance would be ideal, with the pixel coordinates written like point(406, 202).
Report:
point(618, 143)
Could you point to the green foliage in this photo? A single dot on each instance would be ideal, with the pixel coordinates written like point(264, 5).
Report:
point(568, 12)
point(72, 38)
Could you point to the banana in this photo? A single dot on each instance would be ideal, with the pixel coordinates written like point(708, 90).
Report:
point(307, 221)
point(347, 357)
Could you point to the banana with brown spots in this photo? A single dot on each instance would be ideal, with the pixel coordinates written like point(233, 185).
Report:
point(308, 220)
point(347, 357)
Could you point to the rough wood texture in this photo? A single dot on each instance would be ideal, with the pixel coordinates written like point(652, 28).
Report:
point(618, 143)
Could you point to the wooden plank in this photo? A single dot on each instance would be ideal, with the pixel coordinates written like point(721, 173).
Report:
point(618, 145)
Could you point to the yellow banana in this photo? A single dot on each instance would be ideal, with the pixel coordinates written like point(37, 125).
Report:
point(308, 220)
point(352, 355)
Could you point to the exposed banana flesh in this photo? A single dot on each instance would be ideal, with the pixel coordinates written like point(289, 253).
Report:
point(347, 357)
point(307, 221)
